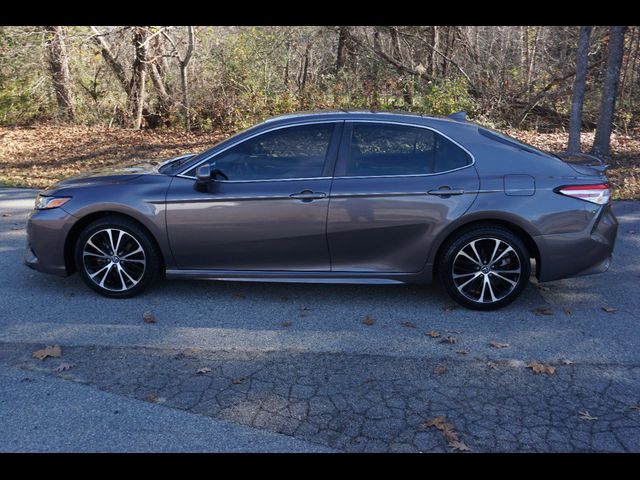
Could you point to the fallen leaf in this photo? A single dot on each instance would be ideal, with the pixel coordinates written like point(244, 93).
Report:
point(193, 350)
point(408, 324)
point(567, 311)
point(52, 351)
point(435, 422)
point(151, 397)
point(449, 340)
point(449, 433)
point(498, 344)
point(64, 367)
point(149, 317)
point(368, 321)
point(538, 367)
point(460, 446)
point(609, 309)
point(237, 381)
point(542, 311)
point(566, 361)
point(286, 324)
point(492, 365)
point(585, 415)
point(440, 370)
point(433, 334)
point(203, 370)
point(461, 352)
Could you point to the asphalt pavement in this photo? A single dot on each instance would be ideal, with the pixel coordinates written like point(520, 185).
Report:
point(295, 363)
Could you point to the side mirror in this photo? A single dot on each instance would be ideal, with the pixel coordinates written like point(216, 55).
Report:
point(203, 178)
point(203, 173)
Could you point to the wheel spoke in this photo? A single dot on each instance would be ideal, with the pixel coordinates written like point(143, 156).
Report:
point(504, 278)
point(121, 269)
point(507, 250)
point(495, 250)
point(120, 234)
point(465, 255)
point(487, 280)
point(473, 247)
point(89, 254)
point(91, 244)
point(104, 277)
point(475, 275)
point(138, 250)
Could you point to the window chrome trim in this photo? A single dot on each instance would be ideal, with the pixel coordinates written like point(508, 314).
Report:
point(379, 121)
point(407, 124)
point(262, 132)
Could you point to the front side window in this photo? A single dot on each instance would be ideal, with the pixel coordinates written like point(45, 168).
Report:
point(385, 149)
point(291, 152)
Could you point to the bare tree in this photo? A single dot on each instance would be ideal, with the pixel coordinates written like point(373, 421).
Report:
point(579, 86)
point(139, 76)
point(602, 140)
point(184, 64)
point(56, 52)
point(343, 40)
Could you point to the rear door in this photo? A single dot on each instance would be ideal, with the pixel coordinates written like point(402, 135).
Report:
point(270, 214)
point(396, 187)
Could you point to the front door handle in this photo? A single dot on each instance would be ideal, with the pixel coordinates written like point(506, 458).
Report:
point(308, 195)
point(446, 192)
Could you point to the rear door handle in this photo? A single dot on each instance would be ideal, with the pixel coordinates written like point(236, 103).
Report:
point(308, 195)
point(446, 191)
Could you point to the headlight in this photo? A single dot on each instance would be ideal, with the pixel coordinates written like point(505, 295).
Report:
point(44, 203)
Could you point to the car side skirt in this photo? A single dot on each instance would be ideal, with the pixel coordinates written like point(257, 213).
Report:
point(299, 277)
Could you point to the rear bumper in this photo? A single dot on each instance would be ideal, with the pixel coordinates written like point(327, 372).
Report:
point(581, 253)
point(46, 234)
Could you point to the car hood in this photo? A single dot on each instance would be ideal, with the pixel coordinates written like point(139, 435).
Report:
point(107, 175)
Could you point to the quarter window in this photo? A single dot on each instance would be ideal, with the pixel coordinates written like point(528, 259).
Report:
point(291, 152)
point(378, 149)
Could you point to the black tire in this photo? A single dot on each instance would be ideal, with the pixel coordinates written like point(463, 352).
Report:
point(504, 285)
point(145, 267)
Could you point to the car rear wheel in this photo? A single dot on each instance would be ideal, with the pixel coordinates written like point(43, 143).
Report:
point(116, 257)
point(485, 268)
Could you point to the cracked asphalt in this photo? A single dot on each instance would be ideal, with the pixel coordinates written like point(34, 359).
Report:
point(296, 367)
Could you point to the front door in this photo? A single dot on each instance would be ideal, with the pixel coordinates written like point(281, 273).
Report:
point(271, 212)
point(396, 187)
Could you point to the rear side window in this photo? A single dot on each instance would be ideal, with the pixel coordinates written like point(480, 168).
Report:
point(385, 149)
point(507, 140)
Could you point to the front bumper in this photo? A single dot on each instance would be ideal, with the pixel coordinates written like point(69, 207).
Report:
point(46, 234)
point(581, 253)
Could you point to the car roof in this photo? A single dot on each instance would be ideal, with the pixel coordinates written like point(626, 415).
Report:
point(392, 115)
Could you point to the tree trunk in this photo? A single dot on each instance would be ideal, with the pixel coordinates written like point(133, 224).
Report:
point(602, 139)
point(59, 66)
point(434, 59)
point(184, 63)
point(579, 85)
point(110, 59)
point(341, 54)
point(138, 77)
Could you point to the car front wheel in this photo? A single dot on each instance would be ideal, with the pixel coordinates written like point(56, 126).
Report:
point(116, 257)
point(485, 268)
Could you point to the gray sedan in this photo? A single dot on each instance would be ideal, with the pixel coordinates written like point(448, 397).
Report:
point(335, 197)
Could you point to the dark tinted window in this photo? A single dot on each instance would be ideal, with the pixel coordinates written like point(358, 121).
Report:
point(382, 149)
point(507, 140)
point(292, 152)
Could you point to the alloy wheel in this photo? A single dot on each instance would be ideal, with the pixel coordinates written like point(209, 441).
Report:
point(114, 259)
point(486, 270)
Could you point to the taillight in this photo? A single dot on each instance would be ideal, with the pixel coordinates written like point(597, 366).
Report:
point(600, 193)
